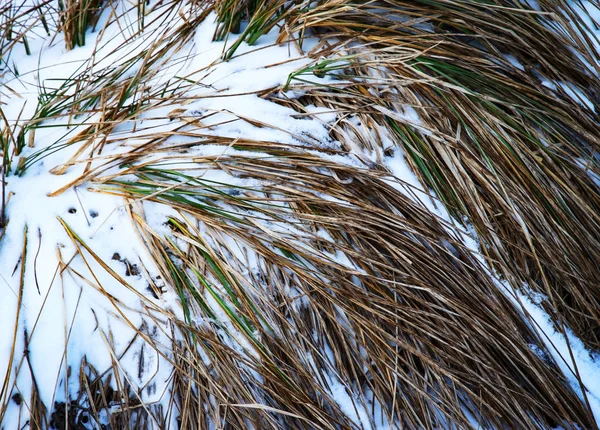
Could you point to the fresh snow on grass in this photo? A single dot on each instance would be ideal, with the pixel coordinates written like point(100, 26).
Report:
point(73, 304)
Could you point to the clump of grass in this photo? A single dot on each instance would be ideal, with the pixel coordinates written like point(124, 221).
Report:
point(117, 92)
point(387, 295)
point(16, 21)
point(76, 17)
point(497, 144)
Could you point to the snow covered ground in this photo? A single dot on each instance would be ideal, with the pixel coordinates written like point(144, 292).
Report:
point(77, 279)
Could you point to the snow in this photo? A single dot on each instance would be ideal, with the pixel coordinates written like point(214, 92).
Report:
point(83, 309)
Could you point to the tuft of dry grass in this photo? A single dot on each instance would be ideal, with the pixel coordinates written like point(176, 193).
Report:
point(500, 140)
point(367, 325)
point(76, 17)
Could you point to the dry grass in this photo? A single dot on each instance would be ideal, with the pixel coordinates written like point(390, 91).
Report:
point(300, 276)
point(496, 145)
point(369, 323)
point(76, 16)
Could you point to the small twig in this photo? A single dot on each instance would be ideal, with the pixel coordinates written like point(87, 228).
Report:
point(35, 261)
point(3, 214)
point(81, 204)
